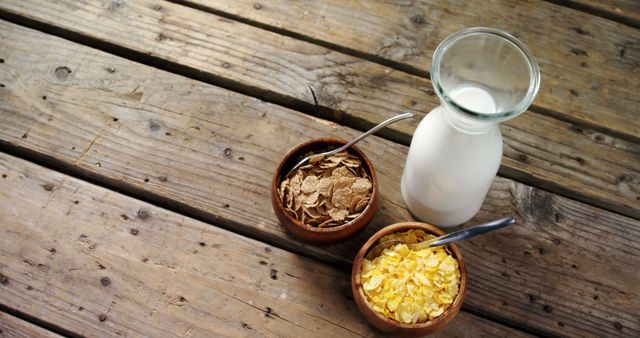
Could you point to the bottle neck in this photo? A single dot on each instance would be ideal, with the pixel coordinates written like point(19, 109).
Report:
point(466, 124)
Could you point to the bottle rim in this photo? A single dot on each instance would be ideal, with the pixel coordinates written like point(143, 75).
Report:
point(534, 71)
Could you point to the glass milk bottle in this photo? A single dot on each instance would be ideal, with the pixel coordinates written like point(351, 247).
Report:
point(483, 77)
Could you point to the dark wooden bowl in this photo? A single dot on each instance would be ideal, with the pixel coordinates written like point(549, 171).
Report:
point(390, 326)
point(315, 235)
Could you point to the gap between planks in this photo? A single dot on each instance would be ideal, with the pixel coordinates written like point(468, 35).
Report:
point(265, 208)
point(91, 189)
point(403, 67)
point(39, 323)
point(352, 121)
point(172, 205)
point(609, 15)
point(166, 203)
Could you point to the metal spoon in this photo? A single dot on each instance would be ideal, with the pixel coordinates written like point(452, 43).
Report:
point(446, 239)
point(318, 157)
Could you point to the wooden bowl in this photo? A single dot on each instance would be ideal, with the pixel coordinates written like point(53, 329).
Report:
point(311, 234)
point(390, 326)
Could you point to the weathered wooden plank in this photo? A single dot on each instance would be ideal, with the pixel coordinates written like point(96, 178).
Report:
point(590, 66)
point(625, 11)
point(579, 162)
point(13, 327)
point(68, 255)
point(211, 153)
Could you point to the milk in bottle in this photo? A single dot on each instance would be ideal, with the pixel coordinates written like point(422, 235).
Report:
point(482, 76)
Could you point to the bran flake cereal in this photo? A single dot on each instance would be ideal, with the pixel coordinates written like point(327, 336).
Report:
point(328, 191)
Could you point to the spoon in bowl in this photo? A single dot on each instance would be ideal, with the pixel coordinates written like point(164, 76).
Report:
point(445, 239)
point(318, 157)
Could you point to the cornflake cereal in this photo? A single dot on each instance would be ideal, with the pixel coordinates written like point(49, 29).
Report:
point(329, 191)
point(411, 286)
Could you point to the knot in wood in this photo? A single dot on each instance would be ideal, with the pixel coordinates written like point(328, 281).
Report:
point(116, 4)
point(143, 214)
point(418, 19)
point(105, 281)
point(62, 73)
point(617, 326)
point(3, 279)
point(154, 124)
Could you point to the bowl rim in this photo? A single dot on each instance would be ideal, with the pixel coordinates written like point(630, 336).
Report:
point(449, 313)
point(296, 149)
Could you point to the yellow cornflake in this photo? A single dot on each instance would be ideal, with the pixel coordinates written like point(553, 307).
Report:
point(411, 286)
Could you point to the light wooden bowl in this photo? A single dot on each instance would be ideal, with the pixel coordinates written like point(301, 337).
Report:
point(311, 234)
point(390, 326)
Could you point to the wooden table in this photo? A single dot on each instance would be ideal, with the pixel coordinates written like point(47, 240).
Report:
point(138, 140)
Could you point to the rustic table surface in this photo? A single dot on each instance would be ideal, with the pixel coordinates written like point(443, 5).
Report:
point(138, 140)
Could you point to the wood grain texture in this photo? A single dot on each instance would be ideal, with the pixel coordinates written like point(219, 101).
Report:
point(168, 138)
point(590, 66)
point(625, 11)
point(69, 255)
point(578, 162)
point(13, 327)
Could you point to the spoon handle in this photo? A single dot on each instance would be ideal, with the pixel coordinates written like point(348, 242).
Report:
point(356, 140)
point(468, 232)
point(371, 131)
